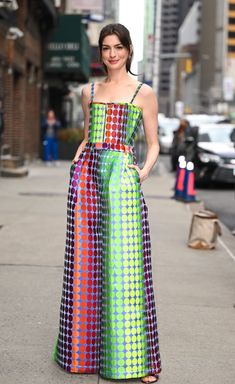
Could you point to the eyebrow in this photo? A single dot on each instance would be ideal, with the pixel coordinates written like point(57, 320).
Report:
point(116, 45)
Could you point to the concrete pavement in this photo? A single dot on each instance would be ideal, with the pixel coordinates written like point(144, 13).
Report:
point(194, 289)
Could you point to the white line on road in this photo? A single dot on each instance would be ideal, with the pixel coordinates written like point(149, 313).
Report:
point(226, 249)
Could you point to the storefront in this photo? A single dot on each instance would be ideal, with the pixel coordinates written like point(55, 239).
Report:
point(67, 60)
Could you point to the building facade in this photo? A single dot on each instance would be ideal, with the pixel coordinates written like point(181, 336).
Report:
point(22, 34)
point(149, 40)
point(168, 43)
point(184, 81)
point(184, 8)
point(207, 35)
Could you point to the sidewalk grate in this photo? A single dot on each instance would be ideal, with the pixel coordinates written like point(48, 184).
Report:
point(42, 194)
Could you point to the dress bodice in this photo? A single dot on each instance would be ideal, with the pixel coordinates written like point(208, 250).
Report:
point(115, 123)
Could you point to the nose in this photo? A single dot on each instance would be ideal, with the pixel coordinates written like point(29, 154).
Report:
point(112, 52)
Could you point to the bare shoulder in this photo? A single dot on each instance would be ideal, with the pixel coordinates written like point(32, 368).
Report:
point(147, 91)
point(86, 90)
point(148, 99)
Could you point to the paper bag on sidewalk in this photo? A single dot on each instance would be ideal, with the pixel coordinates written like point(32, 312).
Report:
point(204, 230)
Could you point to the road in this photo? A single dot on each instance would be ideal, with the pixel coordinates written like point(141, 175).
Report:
point(220, 199)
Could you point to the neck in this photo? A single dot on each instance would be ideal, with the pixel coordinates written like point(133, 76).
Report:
point(117, 76)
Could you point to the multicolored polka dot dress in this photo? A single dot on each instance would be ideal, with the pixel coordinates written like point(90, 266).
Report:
point(108, 321)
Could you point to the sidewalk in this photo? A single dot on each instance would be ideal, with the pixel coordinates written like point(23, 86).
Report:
point(194, 289)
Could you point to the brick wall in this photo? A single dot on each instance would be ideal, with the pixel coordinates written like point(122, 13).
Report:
point(22, 84)
point(7, 107)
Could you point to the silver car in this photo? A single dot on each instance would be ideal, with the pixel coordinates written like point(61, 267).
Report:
point(166, 128)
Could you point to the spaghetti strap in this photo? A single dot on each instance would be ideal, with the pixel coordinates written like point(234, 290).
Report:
point(92, 91)
point(137, 90)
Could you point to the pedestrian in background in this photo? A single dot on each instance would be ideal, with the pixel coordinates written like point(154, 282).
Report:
point(178, 144)
point(50, 127)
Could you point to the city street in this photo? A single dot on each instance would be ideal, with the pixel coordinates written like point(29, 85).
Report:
point(194, 290)
point(220, 199)
point(107, 76)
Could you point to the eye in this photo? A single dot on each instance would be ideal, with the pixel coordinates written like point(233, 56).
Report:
point(120, 47)
point(104, 48)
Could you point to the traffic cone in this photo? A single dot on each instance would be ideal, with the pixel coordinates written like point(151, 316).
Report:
point(189, 194)
point(180, 176)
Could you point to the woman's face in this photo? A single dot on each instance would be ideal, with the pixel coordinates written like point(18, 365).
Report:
point(113, 53)
point(51, 115)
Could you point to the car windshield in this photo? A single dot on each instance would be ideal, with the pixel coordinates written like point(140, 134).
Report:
point(217, 134)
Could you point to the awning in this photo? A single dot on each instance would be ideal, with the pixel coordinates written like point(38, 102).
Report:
point(68, 50)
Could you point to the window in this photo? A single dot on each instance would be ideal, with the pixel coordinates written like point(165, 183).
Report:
point(164, 89)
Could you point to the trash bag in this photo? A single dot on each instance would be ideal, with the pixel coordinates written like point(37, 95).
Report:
point(204, 230)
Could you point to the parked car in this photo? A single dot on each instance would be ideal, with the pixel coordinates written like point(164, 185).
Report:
point(197, 119)
point(166, 128)
point(211, 147)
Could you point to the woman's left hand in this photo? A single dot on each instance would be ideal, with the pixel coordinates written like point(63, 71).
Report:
point(142, 173)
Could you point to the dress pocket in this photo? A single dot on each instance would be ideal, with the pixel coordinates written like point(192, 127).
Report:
point(134, 171)
point(138, 175)
point(80, 156)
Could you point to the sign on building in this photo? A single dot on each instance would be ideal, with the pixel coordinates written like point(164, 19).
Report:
point(68, 48)
point(83, 6)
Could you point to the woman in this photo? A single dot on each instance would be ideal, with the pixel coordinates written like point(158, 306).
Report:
point(178, 143)
point(50, 127)
point(108, 322)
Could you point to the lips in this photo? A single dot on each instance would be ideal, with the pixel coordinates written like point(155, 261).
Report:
point(113, 61)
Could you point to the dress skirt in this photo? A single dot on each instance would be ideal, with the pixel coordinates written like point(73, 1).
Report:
point(108, 321)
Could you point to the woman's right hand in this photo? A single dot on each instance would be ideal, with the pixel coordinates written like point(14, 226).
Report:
point(79, 151)
point(75, 159)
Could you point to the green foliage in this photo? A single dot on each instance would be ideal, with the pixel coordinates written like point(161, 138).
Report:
point(71, 135)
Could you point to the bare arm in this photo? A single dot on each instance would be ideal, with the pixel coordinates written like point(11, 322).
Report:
point(150, 122)
point(86, 113)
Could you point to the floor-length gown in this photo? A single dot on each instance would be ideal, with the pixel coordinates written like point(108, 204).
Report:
point(108, 320)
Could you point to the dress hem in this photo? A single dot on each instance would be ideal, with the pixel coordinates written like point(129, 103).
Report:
point(98, 372)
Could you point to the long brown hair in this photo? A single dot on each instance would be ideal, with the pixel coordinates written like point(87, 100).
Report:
point(123, 35)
